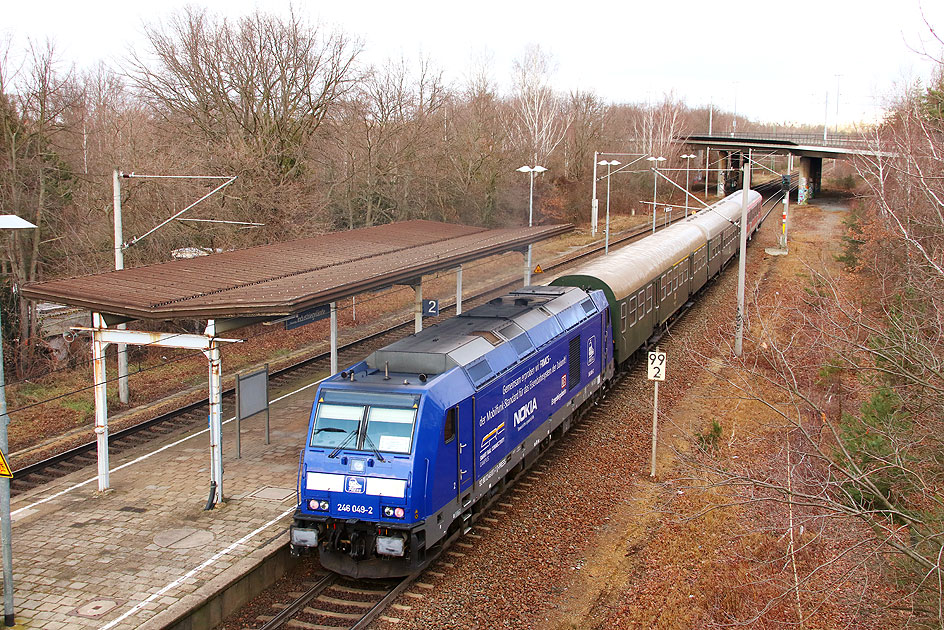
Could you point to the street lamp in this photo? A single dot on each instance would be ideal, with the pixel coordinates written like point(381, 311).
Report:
point(688, 166)
point(7, 222)
point(655, 185)
point(606, 231)
point(532, 170)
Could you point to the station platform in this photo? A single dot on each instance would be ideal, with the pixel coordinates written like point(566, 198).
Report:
point(145, 554)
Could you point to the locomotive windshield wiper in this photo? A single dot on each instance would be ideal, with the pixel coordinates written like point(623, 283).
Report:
point(331, 429)
point(370, 443)
point(343, 443)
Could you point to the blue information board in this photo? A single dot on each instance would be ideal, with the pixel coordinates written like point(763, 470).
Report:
point(306, 317)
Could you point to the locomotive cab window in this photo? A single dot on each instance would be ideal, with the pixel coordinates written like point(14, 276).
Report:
point(335, 424)
point(381, 422)
point(449, 427)
point(390, 430)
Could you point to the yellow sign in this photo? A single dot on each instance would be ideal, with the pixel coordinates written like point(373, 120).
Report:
point(5, 467)
point(538, 269)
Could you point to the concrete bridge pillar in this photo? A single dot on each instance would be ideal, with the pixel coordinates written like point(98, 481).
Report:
point(811, 175)
point(816, 174)
point(722, 171)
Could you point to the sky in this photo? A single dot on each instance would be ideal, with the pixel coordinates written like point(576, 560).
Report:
point(770, 61)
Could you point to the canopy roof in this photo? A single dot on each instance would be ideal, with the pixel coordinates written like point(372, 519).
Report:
point(286, 278)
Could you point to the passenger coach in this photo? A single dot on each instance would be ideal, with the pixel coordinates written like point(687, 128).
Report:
point(647, 282)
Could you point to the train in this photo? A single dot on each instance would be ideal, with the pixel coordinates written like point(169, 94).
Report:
point(406, 447)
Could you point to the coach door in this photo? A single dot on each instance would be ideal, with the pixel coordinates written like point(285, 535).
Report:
point(466, 444)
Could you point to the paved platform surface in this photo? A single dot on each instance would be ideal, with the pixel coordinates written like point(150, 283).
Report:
point(139, 553)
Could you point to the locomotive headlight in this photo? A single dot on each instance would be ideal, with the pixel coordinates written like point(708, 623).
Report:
point(324, 505)
point(398, 512)
point(318, 505)
point(388, 511)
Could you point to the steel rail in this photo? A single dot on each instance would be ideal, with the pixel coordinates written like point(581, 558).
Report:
point(287, 613)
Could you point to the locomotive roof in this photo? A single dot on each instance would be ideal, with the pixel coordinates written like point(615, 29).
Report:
point(497, 333)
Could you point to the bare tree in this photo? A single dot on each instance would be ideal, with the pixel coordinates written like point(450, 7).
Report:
point(539, 118)
point(263, 85)
point(36, 181)
point(388, 134)
point(476, 150)
point(585, 134)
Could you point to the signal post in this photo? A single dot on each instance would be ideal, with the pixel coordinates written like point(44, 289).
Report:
point(656, 365)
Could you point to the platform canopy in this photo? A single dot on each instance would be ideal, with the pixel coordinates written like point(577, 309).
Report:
point(286, 278)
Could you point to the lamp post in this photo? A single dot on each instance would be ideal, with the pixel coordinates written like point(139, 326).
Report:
point(532, 170)
point(594, 205)
point(606, 230)
point(655, 186)
point(7, 222)
point(688, 166)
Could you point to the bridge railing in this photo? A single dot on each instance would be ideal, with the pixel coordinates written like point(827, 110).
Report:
point(839, 140)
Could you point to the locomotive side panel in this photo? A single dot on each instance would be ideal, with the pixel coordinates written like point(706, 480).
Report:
point(516, 405)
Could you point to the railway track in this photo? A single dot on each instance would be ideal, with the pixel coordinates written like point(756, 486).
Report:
point(332, 602)
point(193, 415)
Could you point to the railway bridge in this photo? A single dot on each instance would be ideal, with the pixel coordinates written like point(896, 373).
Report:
point(810, 148)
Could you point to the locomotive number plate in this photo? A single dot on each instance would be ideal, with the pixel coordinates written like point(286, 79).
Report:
point(354, 508)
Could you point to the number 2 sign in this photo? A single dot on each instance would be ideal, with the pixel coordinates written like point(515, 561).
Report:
point(656, 365)
point(430, 308)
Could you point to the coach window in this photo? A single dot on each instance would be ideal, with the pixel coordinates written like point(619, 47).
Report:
point(449, 430)
point(632, 310)
point(642, 303)
point(623, 316)
point(662, 288)
point(649, 299)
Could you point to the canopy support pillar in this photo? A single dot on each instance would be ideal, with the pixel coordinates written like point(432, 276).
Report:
point(101, 400)
point(208, 343)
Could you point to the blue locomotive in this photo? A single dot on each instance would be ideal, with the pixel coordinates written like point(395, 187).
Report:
point(404, 449)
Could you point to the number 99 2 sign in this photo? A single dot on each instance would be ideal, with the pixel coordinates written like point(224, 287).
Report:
point(657, 365)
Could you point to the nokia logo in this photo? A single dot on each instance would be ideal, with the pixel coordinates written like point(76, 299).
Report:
point(526, 410)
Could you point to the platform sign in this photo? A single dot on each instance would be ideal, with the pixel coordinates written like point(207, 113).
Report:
point(430, 308)
point(306, 317)
point(5, 467)
point(656, 365)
